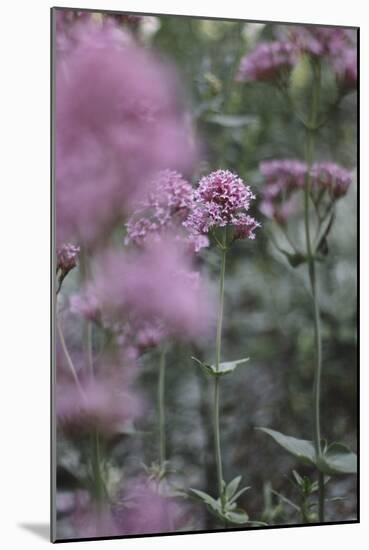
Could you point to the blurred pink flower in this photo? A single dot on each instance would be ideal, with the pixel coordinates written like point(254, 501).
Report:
point(142, 510)
point(282, 178)
point(267, 61)
point(222, 199)
point(119, 119)
point(319, 41)
point(331, 176)
point(156, 285)
point(345, 67)
point(104, 402)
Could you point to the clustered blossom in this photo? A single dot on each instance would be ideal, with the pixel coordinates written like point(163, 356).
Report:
point(331, 176)
point(67, 256)
point(222, 199)
point(267, 61)
point(319, 41)
point(283, 178)
point(270, 60)
point(156, 285)
point(119, 120)
point(166, 206)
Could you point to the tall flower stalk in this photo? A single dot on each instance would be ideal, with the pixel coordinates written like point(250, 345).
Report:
point(221, 202)
point(311, 129)
point(322, 183)
point(218, 453)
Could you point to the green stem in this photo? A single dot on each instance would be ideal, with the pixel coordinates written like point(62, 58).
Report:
point(96, 462)
point(218, 455)
point(161, 408)
point(69, 359)
point(313, 284)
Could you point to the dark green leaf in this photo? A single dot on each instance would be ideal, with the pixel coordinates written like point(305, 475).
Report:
point(232, 487)
point(300, 448)
point(338, 460)
point(238, 516)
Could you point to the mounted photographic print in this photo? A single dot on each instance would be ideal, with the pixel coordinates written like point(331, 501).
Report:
point(204, 365)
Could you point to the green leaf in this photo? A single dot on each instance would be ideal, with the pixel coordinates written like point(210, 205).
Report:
point(300, 448)
point(338, 459)
point(231, 121)
point(224, 368)
point(232, 487)
point(238, 516)
point(229, 366)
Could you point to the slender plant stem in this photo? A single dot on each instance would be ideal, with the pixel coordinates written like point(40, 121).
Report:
point(313, 283)
point(161, 408)
point(69, 359)
point(218, 455)
point(96, 461)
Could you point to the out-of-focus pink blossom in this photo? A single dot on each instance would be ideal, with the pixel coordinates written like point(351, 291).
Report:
point(166, 206)
point(267, 61)
point(104, 402)
point(155, 284)
point(222, 199)
point(282, 179)
point(283, 174)
point(92, 519)
point(331, 176)
point(67, 256)
point(119, 120)
point(345, 67)
point(142, 510)
point(320, 41)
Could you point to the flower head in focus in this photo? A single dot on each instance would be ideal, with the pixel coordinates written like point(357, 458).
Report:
point(267, 61)
point(222, 199)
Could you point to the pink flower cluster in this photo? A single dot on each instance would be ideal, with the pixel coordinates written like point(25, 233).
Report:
point(267, 61)
point(167, 205)
point(320, 41)
point(331, 176)
point(119, 120)
point(284, 177)
point(222, 199)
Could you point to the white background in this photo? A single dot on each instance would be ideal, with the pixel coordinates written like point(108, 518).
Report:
point(24, 269)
